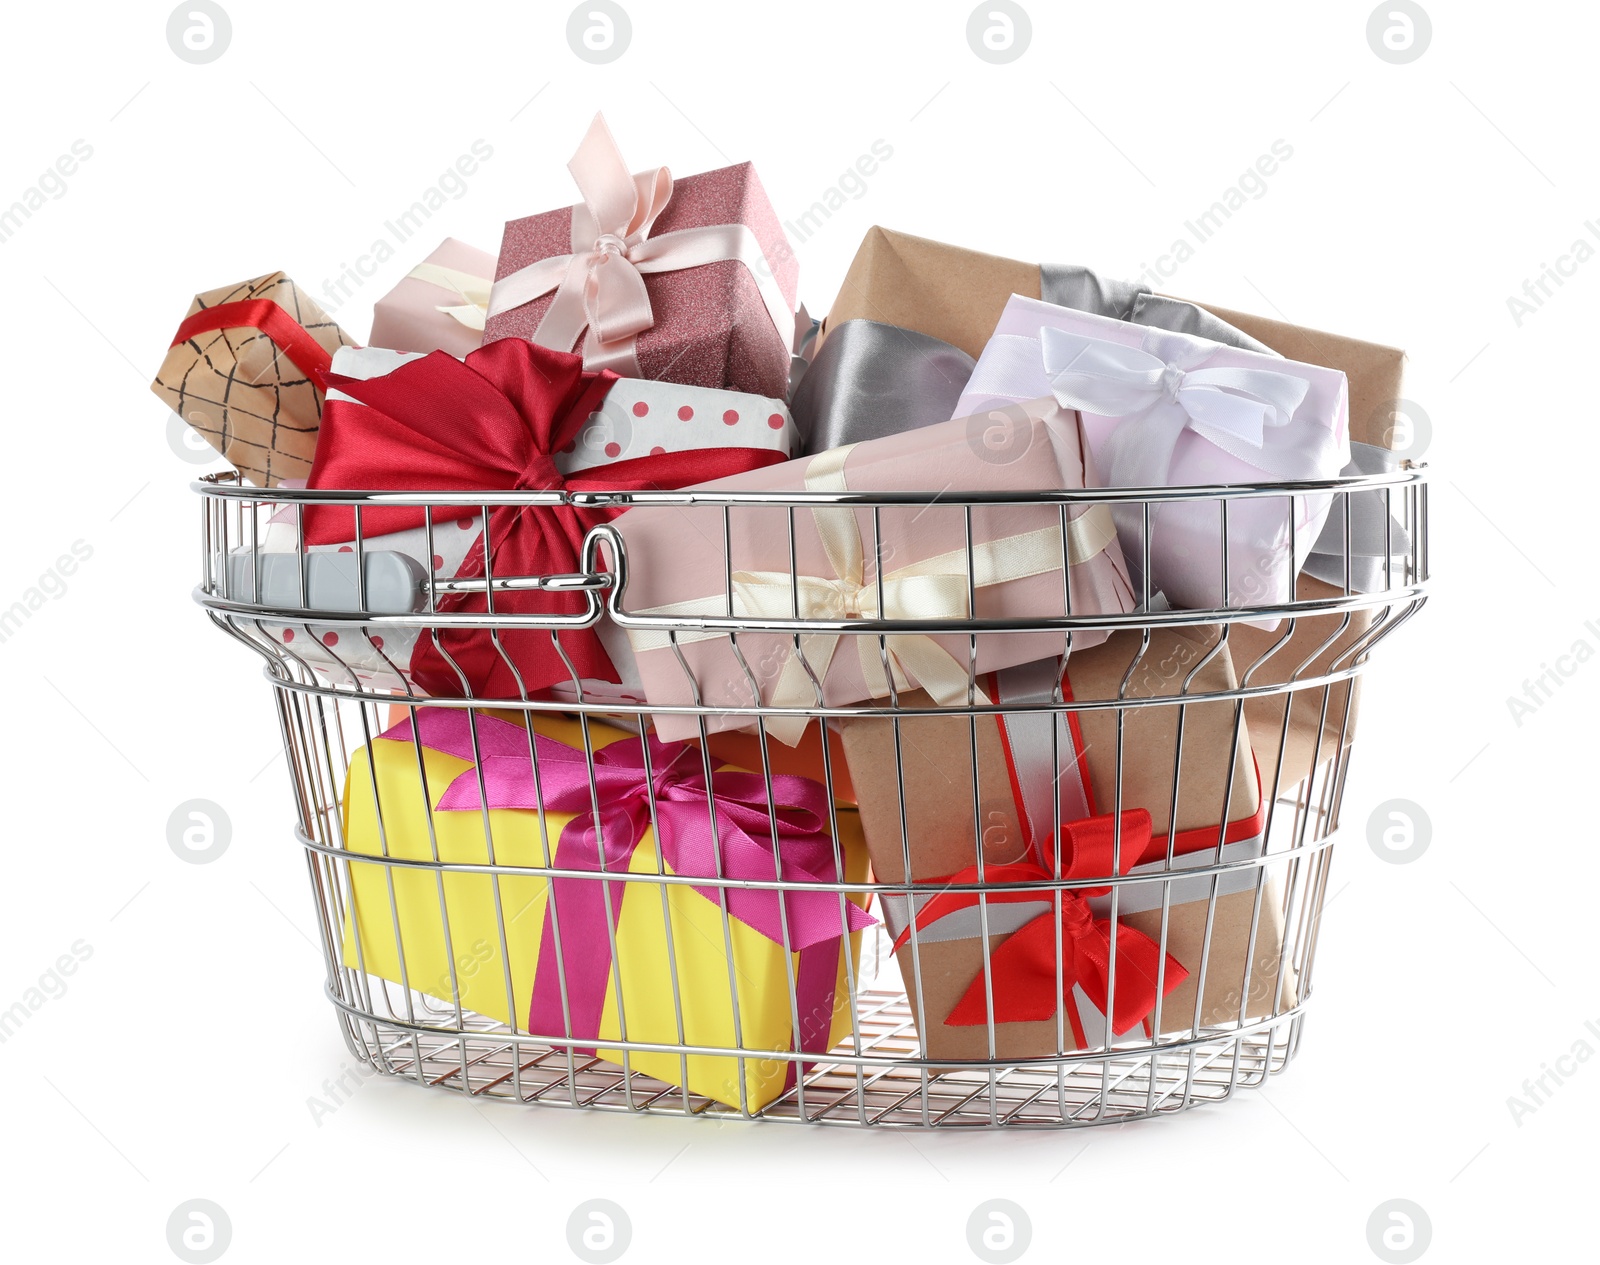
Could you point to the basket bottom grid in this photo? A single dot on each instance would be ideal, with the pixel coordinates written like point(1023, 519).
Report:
point(1125, 1085)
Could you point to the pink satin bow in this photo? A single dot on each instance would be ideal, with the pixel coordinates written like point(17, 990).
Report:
point(603, 288)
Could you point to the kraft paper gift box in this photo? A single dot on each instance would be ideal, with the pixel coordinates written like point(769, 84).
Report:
point(440, 305)
point(689, 280)
point(1163, 408)
point(1320, 642)
point(682, 567)
point(550, 972)
point(247, 370)
point(955, 295)
point(1027, 778)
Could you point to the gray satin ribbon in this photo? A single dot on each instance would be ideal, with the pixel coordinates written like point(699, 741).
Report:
point(1374, 535)
point(1084, 290)
point(869, 380)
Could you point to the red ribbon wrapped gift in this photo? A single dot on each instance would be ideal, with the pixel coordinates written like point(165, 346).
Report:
point(490, 423)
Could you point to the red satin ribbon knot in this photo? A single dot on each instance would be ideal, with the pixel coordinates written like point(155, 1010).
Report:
point(490, 423)
point(1023, 975)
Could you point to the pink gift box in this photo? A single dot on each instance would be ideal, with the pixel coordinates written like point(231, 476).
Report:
point(1221, 438)
point(712, 325)
point(677, 571)
point(411, 316)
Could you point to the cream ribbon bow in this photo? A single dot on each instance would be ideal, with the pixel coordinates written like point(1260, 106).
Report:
point(599, 287)
point(474, 292)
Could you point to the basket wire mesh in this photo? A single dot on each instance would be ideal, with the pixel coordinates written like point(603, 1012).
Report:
point(336, 659)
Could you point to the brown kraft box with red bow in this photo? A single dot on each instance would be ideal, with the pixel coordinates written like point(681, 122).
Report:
point(935, 797)
point(247, 370)
point(688, 280)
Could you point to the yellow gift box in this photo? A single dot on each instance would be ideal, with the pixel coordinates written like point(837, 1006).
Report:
point(480, 939)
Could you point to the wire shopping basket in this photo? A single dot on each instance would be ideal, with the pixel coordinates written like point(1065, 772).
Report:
point(763, 944)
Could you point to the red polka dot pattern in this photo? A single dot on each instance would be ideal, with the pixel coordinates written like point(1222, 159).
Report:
point(775, 421)
point(640, 409)
point(731, 417)
point(685, 414)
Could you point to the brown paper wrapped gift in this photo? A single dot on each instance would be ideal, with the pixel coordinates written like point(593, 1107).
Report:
point(1375, 376)
point(957, 295)
point(937, 808)
point(246, 371)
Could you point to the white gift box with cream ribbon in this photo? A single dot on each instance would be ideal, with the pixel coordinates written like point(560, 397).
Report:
point(1163, 409)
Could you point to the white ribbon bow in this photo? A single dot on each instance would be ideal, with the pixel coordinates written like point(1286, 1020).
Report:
point(1161, 390)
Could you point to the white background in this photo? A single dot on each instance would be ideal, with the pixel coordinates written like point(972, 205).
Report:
point(179, 1062)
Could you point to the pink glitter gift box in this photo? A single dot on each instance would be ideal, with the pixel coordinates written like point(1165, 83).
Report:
point(689, 281)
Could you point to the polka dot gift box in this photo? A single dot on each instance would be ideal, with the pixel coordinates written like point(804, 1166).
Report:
point(636, 418)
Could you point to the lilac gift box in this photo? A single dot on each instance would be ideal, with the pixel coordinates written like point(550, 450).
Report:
point(1164, 409)
point(678, 572)
point(439, 305)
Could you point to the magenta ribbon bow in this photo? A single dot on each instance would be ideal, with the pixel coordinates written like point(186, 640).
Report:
point(741, 848)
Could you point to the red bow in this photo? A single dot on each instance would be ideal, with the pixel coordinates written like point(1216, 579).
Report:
point(487, 424)
point(1023, 967)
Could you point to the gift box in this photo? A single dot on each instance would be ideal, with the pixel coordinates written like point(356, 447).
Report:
point(687, 281)
point(834, 562)
point(247, 370)
point(540, 949)
point(631, 421)
point(1162, 408)
point(504, 418)
point(870, 377)
point(440, 305)
point(745, 749)
point(932, 789)
point(1319, 643)
point(955, 295)
point(637, 417)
